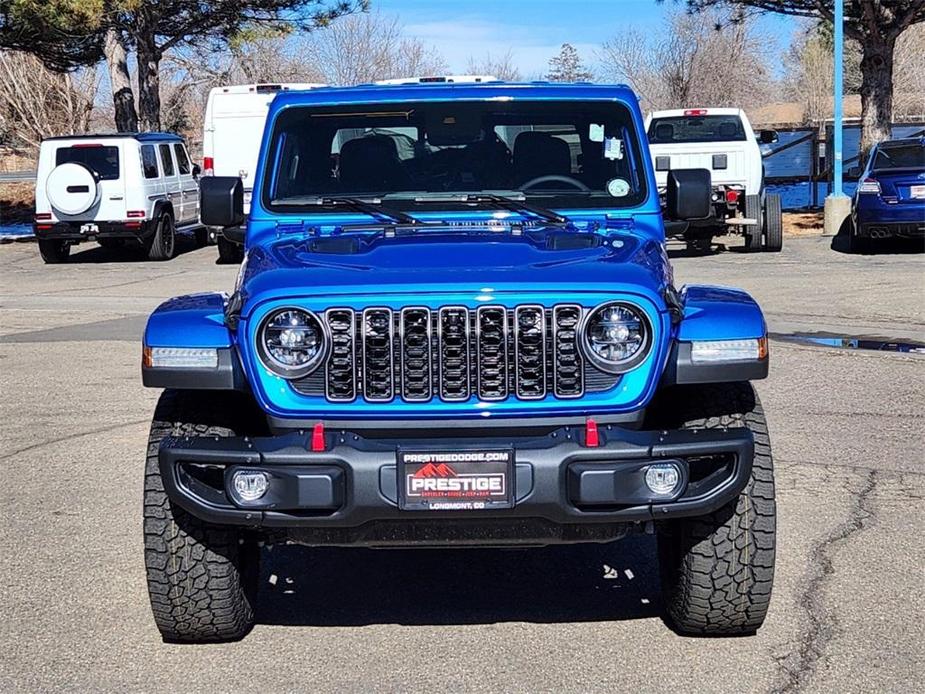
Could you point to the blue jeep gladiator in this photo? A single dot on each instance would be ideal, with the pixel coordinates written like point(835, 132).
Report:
point(456, 325)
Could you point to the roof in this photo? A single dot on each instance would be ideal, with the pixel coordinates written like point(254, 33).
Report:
point(264, 87)
point(703, 111)
point(460, 91)
point(141, 137)
point(901, 142)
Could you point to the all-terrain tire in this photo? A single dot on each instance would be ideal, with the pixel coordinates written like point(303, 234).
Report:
point(718, 570)
point(773, 223)
point(229, 252)
point(202, 578)
point(753, 231)
point(54, 251)
point(163, 244)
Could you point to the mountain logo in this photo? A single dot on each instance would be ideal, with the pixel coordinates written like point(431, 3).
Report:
point(440, 470)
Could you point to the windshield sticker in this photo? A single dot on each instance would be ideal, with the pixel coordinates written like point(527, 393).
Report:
point(618, 187)
point(613, 148)
point(596, 132)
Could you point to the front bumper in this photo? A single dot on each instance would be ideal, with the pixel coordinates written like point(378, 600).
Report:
point(89, 231)
point(564, 491)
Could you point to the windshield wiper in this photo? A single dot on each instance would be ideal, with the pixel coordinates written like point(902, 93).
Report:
point(505, 200)
point(373, 209)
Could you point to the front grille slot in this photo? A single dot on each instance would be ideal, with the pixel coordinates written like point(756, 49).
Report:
point(453, 334)
point(455, 353)
point(378, 367)
point(340, 369)
point(491, 346)
point(415, 346)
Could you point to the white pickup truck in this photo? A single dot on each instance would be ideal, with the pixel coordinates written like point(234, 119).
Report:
point(722, 141)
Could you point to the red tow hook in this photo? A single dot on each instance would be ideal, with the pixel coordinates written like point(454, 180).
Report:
point(592, 440)
point(318, 438)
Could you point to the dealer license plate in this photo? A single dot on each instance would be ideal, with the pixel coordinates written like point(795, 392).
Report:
point(462, 480)
point(917, 192)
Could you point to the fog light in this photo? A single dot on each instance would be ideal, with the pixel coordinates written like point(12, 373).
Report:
point(249, 485)
point(663, 479)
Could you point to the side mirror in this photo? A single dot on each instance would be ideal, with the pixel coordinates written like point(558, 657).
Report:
point(854, 172)
point(767, 137)
point(221, 201)
point(196, 170)
point(690, 193)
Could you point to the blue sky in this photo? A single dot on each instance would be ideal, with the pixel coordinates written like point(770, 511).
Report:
point(533, 30)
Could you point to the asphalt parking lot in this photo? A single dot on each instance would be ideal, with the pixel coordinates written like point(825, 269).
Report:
point(846, 426)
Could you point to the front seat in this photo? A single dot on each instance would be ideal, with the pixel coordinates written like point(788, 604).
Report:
point(540, 154)
point(664, 132)
point(371, 164)
point(728, 130)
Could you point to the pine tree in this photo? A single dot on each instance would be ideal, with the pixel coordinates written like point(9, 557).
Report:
point(567, 66)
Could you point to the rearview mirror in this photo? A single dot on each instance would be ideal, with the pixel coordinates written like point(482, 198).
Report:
point(196, 170)
point(767, 137)
point(690, 194)
point(221, 201)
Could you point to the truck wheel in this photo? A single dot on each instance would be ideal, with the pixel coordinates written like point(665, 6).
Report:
point(773, 226)
point(229, 252)
point(53, 251)
point(753, 231)
point(202, 578)
point(717, 570)
point(163, 244)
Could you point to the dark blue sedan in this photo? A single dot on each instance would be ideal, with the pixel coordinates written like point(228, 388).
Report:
point(890, 198)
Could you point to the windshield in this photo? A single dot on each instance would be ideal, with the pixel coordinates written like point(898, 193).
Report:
point(906, 156)
point(554, 154)
point(696, 129)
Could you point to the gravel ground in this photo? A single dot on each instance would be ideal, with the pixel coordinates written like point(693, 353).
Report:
point(847, 429)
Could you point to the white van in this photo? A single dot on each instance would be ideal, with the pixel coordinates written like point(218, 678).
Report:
point(231, 136)
point(118, 190)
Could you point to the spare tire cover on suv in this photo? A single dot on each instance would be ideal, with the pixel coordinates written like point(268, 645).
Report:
point(72, 188)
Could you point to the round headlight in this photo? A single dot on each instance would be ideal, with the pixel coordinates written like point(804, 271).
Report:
point(291, 342)
point(616, 337)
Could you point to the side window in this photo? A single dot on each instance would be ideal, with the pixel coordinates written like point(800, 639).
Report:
point(166, 159)
point(182, 160)
point(148, 161)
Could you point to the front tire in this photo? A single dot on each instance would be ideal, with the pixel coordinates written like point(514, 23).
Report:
point(202, 578)
point(54, 251)
point(718, 570)
point(773, 223)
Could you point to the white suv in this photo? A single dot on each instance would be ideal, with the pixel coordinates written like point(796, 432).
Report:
point(117, 190)
point(722, 141)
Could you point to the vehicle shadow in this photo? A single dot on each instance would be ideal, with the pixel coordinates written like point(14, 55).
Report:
point(131, 253)
point(358, 587)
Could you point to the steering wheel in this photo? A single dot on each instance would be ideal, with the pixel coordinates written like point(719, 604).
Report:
point(555, 178)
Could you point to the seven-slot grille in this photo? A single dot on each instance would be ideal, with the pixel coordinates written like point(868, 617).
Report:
point(454, 353)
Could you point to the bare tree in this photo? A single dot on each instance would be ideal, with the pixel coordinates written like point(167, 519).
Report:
point(36, 103)
point(501, 66)
point(362, 48)
point(909, 72)
point(567, 66)
point(690, 63)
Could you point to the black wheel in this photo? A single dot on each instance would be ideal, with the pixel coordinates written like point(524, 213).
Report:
point(53, 251)
point(202, 578)
point(773, 224)
point(753, 231)
point(202, 237)
point(111, 244)
point(717, 570)
point(163, 244)
point(228, 251)
point(856, 242)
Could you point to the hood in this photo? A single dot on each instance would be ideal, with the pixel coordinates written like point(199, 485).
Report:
point(462, 261)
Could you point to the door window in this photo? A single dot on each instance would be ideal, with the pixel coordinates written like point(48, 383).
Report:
point(149, 161)
point(182, 160)
point(166, 160)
